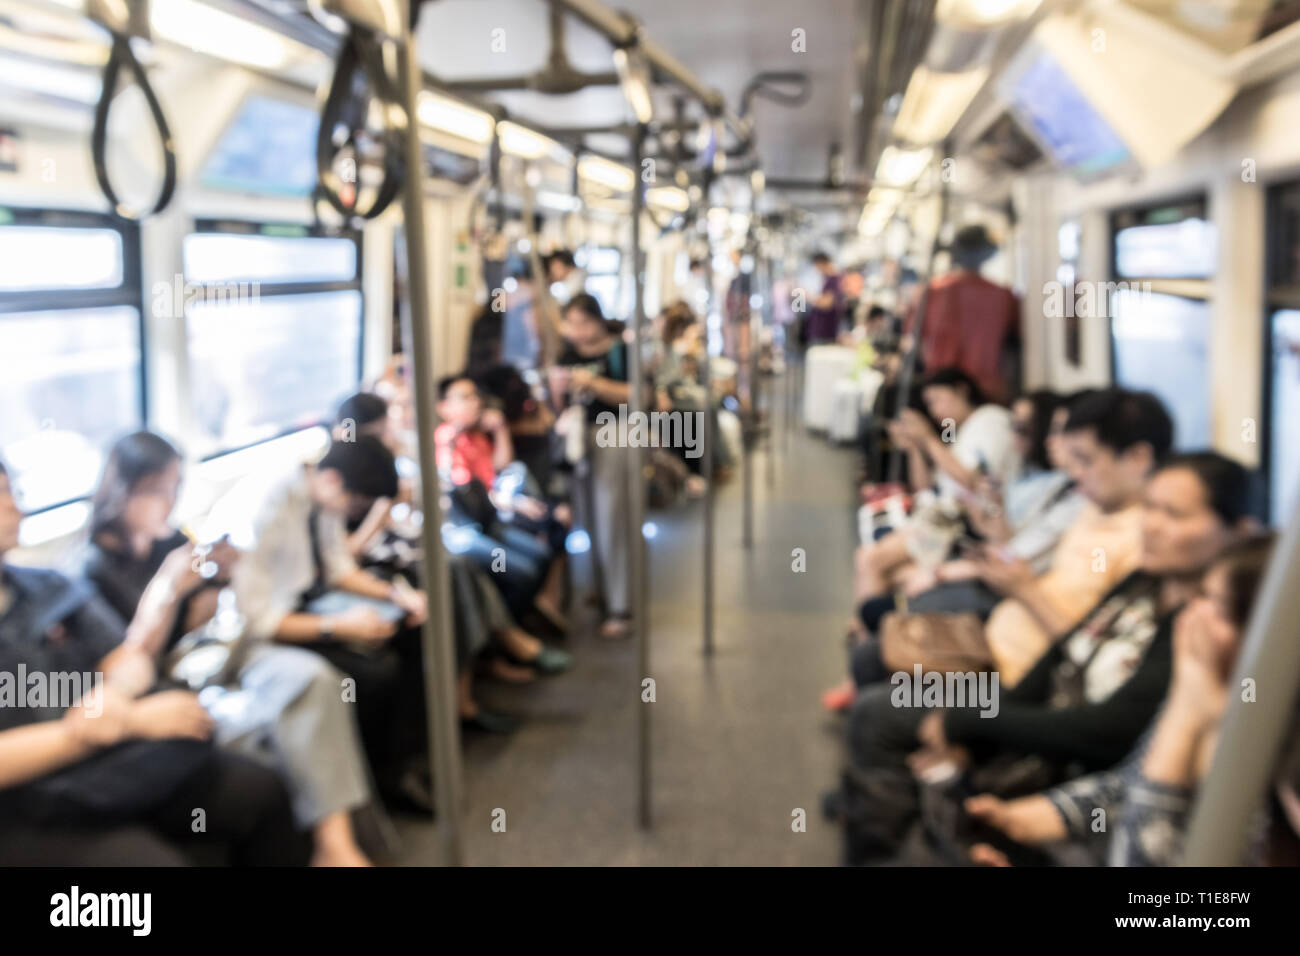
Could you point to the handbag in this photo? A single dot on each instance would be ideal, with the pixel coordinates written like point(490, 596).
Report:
point(572, 424)
point(471, 504)
point(936, 641)
point(213, 654)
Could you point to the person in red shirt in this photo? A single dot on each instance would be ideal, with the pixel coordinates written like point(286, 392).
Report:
point(473, 444)
point(970, 322)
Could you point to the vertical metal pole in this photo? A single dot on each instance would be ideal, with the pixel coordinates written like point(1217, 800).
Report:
point(436, 634)
point(1252, 733)
point(708, 436)
point(790, 383)
point(769, 321)
point(908, 371)
point(638, 565)
point(751, 419)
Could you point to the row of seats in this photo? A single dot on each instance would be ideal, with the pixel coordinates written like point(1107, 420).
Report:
point(248, 687)
point(1048, 613)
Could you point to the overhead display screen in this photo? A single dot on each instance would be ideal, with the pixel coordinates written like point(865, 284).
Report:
point(1063, 120)
point(269, 148)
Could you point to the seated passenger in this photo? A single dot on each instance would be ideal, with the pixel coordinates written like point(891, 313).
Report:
point(512, 534)
point(298, 584)
point(1112, 439)
point(1084, 703)
point(1147, 800)
point(974, 441)
point(148, 571)
point(1028, 521)
point(113, 777)
point(479, 615)
point(532, 429)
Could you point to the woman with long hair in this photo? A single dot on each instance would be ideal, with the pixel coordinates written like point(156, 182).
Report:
point(287, 707)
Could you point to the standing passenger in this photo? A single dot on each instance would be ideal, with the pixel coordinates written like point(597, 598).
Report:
point(824, 317)
point(970, 322)
point(597, 377)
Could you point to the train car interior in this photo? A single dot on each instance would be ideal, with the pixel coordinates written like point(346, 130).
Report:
point(535, 433)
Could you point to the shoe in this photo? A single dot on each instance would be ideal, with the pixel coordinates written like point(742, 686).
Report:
point(616, 628)
point(551, 661)
point(833, 806)
point(553, 616)
point(535, 622)
point(838, 699)
point(411, 793)
point(491, 723)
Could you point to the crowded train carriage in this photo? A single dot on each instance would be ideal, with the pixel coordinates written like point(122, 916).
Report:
point(525, 432)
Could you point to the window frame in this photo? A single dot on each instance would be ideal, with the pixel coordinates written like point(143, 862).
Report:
point(129, 292)
point(1276, 297)
point(1198, 289)
point(249, 227)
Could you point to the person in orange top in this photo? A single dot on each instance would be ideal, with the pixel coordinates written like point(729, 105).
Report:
point(1115, 439)
point(970, 322)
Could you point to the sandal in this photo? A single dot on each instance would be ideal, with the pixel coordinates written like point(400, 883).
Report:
point(839, 699)
point(616, 627)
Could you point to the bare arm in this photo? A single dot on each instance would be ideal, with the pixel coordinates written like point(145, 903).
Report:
point(503, 446)
point(610, 391)
point(34, 750)
point(941, 455)
point(918, 468)
point(362, 582)
point(376, 521)
point(1051, 616)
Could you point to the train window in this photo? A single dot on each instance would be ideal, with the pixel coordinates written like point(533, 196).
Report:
point(1282, 339)
point(1068, 238)
point(274, 335)
point(71, 372)
point(603, 280)
point(1162, 257)
point(1284, 407)
point(35, 258)
point(1181, 249)
point(215, 257)
point(1162, 344)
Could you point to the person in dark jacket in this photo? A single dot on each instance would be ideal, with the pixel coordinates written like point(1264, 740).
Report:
point(94, 772)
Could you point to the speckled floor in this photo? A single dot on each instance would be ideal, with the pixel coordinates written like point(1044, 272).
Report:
point(739, 741)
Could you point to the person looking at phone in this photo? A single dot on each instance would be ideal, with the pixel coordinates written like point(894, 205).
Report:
point(166, 586)
point(593, 370)
point(1148, 798)
point(127, 766)
point(973, 443)
point(290, 527)
point(1087, 699)
point(1028, 519)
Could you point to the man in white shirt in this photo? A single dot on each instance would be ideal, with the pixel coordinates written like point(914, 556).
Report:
point(566, 279)
point(291, 530)
point(974, 441)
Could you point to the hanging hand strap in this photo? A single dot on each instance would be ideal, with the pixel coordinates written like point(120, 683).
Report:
point(121, 54)
point(361, 56)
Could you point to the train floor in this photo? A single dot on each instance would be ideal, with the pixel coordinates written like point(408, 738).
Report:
point(740, 742)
